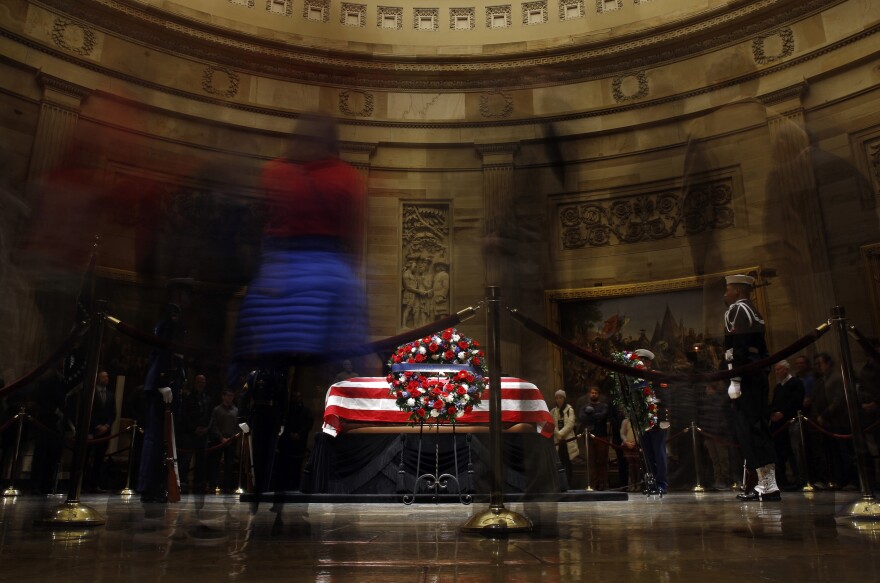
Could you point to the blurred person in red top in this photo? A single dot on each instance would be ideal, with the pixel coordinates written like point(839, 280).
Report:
point(306, 303)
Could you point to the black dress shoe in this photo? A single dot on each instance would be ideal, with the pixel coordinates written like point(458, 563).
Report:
point(160, 498)
point(754, 496)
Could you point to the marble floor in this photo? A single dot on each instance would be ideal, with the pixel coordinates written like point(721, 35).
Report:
point(681, 537)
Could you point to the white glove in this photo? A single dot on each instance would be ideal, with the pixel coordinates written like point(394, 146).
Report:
point(728, 355)
point(733, 391)
point(245, 428)
point(281, 431)
point(167, 396)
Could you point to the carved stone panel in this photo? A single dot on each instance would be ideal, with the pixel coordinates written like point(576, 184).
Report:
point(773, 47)
point(74, 37)
point(425, 276)
point(648, 216)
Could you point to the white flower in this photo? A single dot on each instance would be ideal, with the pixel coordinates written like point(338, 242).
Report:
point(462, 355)
point(465, 386)
point(449, 398)
point(422, 350)
point(435, 413)
point(465, 398)
point(413, 349)
point(436, 357)
point(459, 413)
point(456, 337)
point(410, 402)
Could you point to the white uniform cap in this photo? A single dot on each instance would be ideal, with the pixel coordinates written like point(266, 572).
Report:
point(645, 353)
point(742, 279)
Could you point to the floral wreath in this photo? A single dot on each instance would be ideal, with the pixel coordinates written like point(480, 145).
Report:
point(645, 407)
point(438, 378)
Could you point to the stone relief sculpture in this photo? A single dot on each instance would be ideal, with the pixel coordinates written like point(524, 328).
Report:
point(425, 276)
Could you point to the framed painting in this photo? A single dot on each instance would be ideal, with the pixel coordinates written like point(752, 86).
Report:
point(680, 320)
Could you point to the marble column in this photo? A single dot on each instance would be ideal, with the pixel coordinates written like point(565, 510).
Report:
point(501, 241)
point(805, 270)
point(59, 113)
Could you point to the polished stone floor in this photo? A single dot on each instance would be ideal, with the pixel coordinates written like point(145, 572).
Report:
point(681, 537)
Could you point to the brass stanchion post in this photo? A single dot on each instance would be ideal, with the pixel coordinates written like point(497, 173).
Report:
point(587, 472)
point(808, 487)
point(127, 491)
point(866, 508)
point(696, 448)
point(240, 489)
point(497, 519)
point(72, 512)
point(16, 454)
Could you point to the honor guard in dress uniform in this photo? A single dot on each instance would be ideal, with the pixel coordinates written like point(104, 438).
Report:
point(166, 377)
point(744, 343)
point(653, 440)
point(264, 408)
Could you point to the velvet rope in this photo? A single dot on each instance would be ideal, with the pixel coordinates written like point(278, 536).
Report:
point(153, 340)
point(393, 342)
point(213, 448)
point(75, 336)
point(821, 429)
point(657, 376)
point(718, 439)
point(866, 344)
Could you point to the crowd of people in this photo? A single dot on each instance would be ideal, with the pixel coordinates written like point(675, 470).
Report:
point(810, 386)
point(207, 426)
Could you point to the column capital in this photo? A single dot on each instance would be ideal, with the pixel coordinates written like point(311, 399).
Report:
point(497, 154)
point(793, 93)
point(61, 92)
point(356, 154)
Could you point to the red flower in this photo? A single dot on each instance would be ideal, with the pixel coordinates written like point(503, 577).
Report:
point(448, 355)
point(434, 347)
point(396, 359)
point(447, 334)
point(476, 361)
point(646, 391)
point(470, 376)
point(420, 357)
point(451, 410)
point(468, 409)
point(421, 412)
point(461, 391)
point(463, 345)
point(438, 404)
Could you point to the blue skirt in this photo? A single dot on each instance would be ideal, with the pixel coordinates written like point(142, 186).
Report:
point(304, 301)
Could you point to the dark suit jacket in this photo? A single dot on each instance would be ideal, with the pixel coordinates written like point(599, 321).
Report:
point(788, 399)
point(103, 414)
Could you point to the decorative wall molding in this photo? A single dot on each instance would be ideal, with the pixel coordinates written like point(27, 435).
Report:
point(539, 7)
point(496, 104)
point(388, 11)
point(502, 11)
point(786, 37)
point(649, 216)
point(73, 36)
point(425, 245)
point(431, 13)
point(280, 7)
point(617, 87)
point(796, 91)
point(715, 29)
point(364, 99)
point(215, 86)
point(322, 5)
point(468, 13)
point(578, 5)
point(349, 8)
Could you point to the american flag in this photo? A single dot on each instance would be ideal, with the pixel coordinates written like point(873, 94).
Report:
point(368, 400)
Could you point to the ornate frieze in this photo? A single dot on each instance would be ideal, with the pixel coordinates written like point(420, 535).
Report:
point(695, 36)
point(647, 217)
point(426, 19)
point(608, 5)
point(569, 9)
point(534, 12)
point(462, 18)
point(389, 17)
point(353, 14)
point(317, 10)
point(356, 103)
point(784, 37)
point(73, 36)
point(281, 7)
point(425, 272)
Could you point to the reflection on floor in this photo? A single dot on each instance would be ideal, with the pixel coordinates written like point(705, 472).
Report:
point(681, 537)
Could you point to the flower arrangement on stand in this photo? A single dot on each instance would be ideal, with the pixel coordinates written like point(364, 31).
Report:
point(644, 399)
point(438, 378)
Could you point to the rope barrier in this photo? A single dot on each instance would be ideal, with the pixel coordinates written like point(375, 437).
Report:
point(213, 448)
point(783, 427)
point(866, 345)
point(658, 376)
point(718, 439)
point(677, 435)
point(75, 336)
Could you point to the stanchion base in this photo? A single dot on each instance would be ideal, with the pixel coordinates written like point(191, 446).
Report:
point(808, 488)
point(699, 489)
point(240, 491)
point(10, 492)
point(218, 491)
point(497, 521)
point(72, 514)
point(864, 509)
point(127, 492)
